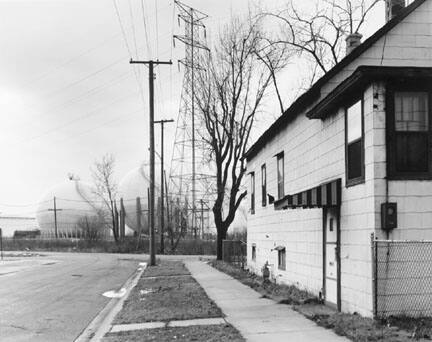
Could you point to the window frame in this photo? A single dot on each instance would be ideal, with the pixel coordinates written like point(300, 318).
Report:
point(391, 89)
point(361, 179)
point(253, 252)
point(263, 185)
point(282, 253)
point(280, 183)
point(252, 198)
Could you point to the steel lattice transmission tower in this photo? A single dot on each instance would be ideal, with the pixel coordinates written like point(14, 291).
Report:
point(190, 176)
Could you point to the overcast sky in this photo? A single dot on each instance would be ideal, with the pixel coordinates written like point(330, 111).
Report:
point(68, 94)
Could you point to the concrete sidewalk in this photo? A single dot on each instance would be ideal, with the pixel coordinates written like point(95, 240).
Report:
point(257, 319)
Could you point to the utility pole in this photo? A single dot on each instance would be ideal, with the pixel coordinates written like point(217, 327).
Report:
point(162, 242)
point(202, 218)
point(55, 216)
point(151, 65)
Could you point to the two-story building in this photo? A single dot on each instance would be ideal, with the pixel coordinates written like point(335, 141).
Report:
point(349, 157)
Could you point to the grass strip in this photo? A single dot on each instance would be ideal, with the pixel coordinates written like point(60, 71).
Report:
point(209, 333)
point(166, 268)
point(166, 298)
point(283, 294)
point(353, 326)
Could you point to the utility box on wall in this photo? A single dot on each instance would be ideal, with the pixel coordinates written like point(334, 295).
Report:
point(388, 216)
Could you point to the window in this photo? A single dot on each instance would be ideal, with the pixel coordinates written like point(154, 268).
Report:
point(280, 175)
point(281, 258)
point(253, 252)
point(263, 185)
point(409, 134)
point(252, 198)
point(354, 144)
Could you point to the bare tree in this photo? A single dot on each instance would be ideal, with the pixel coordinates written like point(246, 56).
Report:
point(106, 188)
point(230, 88)
point(320, 33)
point(92, 227)
point(275, 58)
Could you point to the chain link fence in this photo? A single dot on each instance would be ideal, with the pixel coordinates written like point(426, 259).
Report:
point(403, 278)
point(234, 252)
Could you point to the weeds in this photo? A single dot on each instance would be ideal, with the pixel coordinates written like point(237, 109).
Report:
point(128, 245)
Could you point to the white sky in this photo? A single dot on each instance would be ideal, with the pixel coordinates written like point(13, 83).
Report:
point(68, 94)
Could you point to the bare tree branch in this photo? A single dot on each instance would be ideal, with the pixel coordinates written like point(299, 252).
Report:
point(320, 34)
point(106, 186)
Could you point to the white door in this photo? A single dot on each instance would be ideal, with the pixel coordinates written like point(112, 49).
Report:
point(331, 260)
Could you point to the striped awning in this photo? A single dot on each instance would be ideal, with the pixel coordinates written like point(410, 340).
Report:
point(324, 195)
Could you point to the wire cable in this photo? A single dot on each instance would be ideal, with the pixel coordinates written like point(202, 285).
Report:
point(83, 117)
point(149, 53)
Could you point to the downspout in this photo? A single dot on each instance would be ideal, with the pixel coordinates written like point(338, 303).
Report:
point(338, 255)
point(387, 200)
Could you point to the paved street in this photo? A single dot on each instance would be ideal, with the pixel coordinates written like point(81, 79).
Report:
point(55, 296)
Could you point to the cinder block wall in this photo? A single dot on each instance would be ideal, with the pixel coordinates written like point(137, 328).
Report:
point(315, 153)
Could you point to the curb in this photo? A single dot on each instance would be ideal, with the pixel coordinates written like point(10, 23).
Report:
point(101, 324)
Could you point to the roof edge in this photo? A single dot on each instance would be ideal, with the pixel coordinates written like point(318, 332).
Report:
point(310, 95)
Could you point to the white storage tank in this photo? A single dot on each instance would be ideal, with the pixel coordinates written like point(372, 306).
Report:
point(133, 185)
point(75, 201)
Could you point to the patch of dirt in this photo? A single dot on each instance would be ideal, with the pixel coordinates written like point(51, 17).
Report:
point(166, 268)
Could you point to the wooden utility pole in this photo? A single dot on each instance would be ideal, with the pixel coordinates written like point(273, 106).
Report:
point(151, 65)
point(162, 243)
point(202, 219)
point(138, 220)
point(55, 217)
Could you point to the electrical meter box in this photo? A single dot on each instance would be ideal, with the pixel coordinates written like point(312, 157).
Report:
point(388, 216)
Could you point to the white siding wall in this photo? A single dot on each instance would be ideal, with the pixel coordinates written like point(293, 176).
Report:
point(413, 197)
point(314, 154)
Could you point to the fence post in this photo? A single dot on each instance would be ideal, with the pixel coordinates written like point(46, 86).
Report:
point(375, 244)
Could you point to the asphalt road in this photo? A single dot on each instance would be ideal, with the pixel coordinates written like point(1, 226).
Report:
point(55, 296)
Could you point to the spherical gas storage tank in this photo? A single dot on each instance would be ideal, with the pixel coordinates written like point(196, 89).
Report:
point(135, 184)
point(75, 203)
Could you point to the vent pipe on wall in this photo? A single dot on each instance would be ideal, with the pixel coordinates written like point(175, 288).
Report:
point(393, 8)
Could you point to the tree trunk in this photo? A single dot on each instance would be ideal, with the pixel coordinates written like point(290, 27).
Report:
point(114, 227)
point(221, 235)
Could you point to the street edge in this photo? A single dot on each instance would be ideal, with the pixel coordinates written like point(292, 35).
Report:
point(101, 324)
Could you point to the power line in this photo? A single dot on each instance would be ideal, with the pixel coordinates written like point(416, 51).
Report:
point(22, 205)
point(71, 60)
point(118, 61)
point(129, 50)
point(118, 119)
point(86, 94)
point(133, 28)
point(86, 116)
point(157, 28)
point(121, 27)
point(149, 54)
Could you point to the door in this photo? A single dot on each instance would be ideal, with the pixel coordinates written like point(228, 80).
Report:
point(331, 256)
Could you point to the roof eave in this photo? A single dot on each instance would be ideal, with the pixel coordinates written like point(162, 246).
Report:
point(310, 95)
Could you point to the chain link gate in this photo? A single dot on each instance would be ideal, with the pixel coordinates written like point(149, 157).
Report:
point(234, 252)
point(402, 278)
